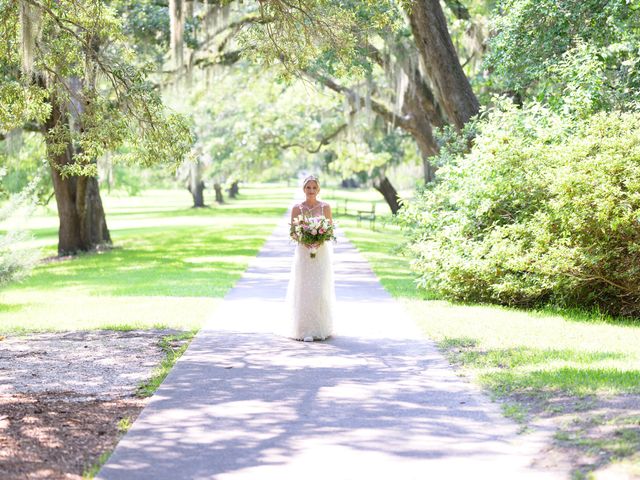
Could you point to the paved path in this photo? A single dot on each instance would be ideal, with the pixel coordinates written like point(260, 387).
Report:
point(373, 402)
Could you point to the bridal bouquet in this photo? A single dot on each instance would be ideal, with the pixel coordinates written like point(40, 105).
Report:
point(311, 232)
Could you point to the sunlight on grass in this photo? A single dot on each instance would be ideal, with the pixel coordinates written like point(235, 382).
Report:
point(383, 249)
point(64, 310)
point(170, 267)
point(509, 350)
point(516, 351)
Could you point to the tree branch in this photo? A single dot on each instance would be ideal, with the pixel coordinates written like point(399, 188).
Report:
point(227, 58)
point(321, 143)
point(420, 88)
point(233, 28)
point(374, 54)
point(459, 10)
point(403, 122)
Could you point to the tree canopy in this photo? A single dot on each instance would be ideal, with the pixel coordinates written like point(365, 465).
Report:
point(582, 55)
point(74, 53)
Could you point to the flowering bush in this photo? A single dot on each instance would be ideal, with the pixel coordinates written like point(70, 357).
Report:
point(311, 232)
point(543, 209)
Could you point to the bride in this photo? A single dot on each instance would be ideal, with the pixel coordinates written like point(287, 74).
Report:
point(311, 291)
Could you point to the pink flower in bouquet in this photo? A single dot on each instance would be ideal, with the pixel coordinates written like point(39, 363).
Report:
point(312, 232)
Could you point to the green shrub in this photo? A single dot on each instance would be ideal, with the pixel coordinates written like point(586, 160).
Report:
point(15, 261)
point(16, 257)
point(23, 160)
point(543, 209)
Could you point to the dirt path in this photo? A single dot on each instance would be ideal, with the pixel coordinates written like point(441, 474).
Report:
point(65, 398)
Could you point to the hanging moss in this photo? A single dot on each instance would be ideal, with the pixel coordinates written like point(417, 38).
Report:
point(177, 14)
point(29, 32)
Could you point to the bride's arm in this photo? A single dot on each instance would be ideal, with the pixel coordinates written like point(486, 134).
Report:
point(295, 211)
point(327, 212)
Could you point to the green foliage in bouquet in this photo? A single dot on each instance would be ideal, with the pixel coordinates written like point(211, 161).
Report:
point(543, 209)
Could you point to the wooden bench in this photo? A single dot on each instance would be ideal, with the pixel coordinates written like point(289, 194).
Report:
point(368, 215)
point(342, 206)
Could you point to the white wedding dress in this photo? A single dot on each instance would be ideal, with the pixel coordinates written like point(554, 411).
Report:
point(311, 293)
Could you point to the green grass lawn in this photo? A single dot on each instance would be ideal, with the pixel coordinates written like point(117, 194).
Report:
point(170, 266)
point(538, 363)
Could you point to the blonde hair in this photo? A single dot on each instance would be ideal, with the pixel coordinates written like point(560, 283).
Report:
point(310, 178)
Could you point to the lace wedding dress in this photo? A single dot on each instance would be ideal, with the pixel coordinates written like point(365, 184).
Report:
point(311, 292)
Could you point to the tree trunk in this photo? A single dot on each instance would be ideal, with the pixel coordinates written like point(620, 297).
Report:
point(234, 190)
point(83, 225)
point(428, 170)
point(197, 192)
point(93, 223)
point(383, 185)
point(432, 38)
point(419, 105)
point(177, 18)
point(196, 185)
point(69, 237)
point(218, 190)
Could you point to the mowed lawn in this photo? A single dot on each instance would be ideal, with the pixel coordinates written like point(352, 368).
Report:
point(169, 267)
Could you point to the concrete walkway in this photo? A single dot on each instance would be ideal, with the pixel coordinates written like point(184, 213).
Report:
point(374, 402)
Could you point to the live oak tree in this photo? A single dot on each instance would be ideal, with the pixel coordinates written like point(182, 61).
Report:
point(197, 40)
point(414, 79)
point(186, 41)
point(334, 41)
point(429, 84)
point(268, 129)
point(66, 68)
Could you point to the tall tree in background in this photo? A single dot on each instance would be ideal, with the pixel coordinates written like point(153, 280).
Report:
point(429, 87)
point(414, 78)
point(440, 59)
point(194, 51)
point(65, 67)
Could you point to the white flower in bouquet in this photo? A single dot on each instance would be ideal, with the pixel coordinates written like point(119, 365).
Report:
point(312, 232)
